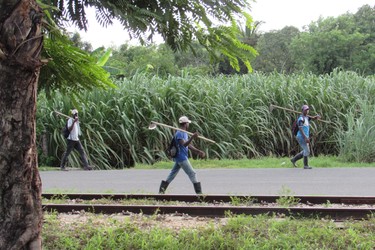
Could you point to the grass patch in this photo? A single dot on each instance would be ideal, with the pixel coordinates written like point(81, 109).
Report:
point(264, 162)
point(47, 168)
point(287, 198)
point(89, 231)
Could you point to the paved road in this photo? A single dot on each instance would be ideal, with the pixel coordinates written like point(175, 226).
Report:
point(318, 181)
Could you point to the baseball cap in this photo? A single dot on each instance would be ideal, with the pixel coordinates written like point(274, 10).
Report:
point(305, 107)
point(184, 119)
point(74, 111)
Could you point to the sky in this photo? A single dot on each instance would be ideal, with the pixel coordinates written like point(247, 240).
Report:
point(276, 14)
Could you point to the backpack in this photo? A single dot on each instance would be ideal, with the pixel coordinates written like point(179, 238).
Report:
point(173, 148)
point(65, 130)
point(295, 127)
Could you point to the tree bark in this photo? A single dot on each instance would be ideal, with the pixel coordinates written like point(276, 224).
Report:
point(21, 41)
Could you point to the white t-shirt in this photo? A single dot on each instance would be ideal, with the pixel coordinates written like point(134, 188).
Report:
point(75, 132)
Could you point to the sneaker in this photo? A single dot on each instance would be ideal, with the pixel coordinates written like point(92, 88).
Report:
point(63, 169)
point(294, 163)
point(307, 167)
point(88, 168)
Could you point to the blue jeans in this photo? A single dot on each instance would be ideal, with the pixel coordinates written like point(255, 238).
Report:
point(186, 166)
point(305, 146)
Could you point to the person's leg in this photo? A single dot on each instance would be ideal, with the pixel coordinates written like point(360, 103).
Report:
point(186, 166)
point(69, 148)
point(85, 163)
point(296, 158)
point(176, 168)
point(306, 153)
point(171, 176)
point(197, 188)
point(163, 187)
point(306, 162)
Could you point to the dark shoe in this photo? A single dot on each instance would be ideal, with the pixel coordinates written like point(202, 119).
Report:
point(293, 163)
point(163, 187)
point(88, 168)
point(306, 162)
point(197, 188)
point(63, 169)
point(296, 158)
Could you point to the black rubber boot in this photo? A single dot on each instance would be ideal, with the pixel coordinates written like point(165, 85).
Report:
point(296, 158)
point(197, 188)
point(163, 187)
point(306, 162)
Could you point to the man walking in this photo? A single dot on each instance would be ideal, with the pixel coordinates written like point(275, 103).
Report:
point(181, 159)
point(303, 139)
point(73, 142)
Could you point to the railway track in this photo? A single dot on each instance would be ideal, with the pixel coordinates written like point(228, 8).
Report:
point(334, 207)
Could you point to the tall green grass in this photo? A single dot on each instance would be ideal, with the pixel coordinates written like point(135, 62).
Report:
point(233, 111)
point(357, 143)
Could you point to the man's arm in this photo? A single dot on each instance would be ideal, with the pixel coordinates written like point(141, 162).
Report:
point(317, 117)
point(73, 122)
point(197, 151)
point(188, 144)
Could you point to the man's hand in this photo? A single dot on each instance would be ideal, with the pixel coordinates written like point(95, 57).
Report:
point(195, 135)
point(201, 154)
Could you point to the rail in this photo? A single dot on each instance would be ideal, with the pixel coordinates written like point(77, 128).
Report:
point(346, 207)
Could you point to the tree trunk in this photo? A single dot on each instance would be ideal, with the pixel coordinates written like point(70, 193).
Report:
point(21, 41)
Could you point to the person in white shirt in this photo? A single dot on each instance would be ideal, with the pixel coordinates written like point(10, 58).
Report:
point(74, 143)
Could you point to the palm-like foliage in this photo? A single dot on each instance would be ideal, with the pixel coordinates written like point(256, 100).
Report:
point(69, 69)
point(212, 23)
point(250, 35)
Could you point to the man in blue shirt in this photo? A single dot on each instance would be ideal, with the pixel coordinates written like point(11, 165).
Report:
point(181, 160)
point(303, 138)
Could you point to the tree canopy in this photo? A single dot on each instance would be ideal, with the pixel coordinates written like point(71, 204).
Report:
point(346, 42)
point(212, 23)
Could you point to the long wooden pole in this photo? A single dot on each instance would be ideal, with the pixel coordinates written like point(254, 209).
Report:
point(57, 112)
point(174, 128)
point(295, 111)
